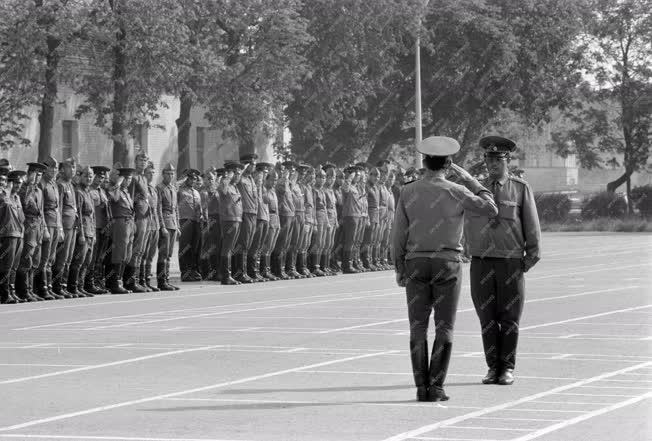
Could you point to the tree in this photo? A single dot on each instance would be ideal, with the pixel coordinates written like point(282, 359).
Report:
point(242, 59)
point(129, 57)
point(35, 36)
point(613, 113)
point(478, 57)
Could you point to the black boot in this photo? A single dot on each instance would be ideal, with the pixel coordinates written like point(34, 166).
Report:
point(419, 358)
point(21, 286)
point(225, 261)
point(141, 277)
point(167, 275)
point(347, 266)
point(161, 280)
point(267, 268)
point(439, 360)
point(5, 298)
point(115, 279)
point(130, 279)
point(148, 278)
point(302, 265)
point(89, 284)
point(241, 269)
point(316, 265)
point(30, 286)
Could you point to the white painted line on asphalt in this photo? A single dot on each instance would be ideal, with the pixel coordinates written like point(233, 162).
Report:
point(183, 294)
point(584, 417)
point(430, 438)
point(561, 356)
point(569, 402)
point(105, 365)
point(585, 272)
point(510, 404)
point(185, 392)
point(42, 365)
point(576, 319)
point(348, 328)
point(616, 387)
point(261, 308)
point(120, 345)
point(523, 409)
point(516, 419)
point(39, 345)
point(201, 308)
point(488, 428)
point(103, 438)
point(596, 395)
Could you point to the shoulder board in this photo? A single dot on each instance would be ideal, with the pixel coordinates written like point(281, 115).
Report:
point(519, 180)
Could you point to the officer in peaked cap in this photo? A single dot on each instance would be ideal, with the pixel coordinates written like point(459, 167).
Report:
point(122, 210)
point(190, 218)
point(11, 234)
point(230, 218)
point(286, 213)
point(428, 261)
point(211, 234)
point(94, 282)
point(503, 247)
point(249, 193)
point(70, 221)
point(262, 224)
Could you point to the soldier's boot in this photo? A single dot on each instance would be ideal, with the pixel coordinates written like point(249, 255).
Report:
point(293, 266)
point(59, 288)
point(12, 294)
point(167, 275)
point(114, 280)
point(267, 268)
point(334, 265)
point(278, 270)
point(256, 275)
point(141, 277)
point(81, 284)
point(71, 286)
point(89, 284)
point(41, 285)
point(30, 286)
point(161, 280)
point(100, 279)
point(347, 266)
point(419, 358)
point(317, 271)
point(242, 270)
point(326, 258)
point(130, 279)
point(250, 267)
point(21, 286)
point(148, 278)
point(5, 298)
point(226, 271)
point(49, 285)
point(302, 267)
point(439, 361)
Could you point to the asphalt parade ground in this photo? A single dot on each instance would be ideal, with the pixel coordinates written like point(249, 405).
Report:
point(328, 359)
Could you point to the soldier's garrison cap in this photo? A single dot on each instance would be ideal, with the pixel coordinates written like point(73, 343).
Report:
point(497, 146)
point(36, 166)
point(15, 175)
point(438, 146)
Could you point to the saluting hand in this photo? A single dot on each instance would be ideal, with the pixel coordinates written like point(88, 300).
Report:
point(461, 173)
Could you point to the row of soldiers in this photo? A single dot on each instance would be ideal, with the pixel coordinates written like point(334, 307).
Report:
point(69, 231)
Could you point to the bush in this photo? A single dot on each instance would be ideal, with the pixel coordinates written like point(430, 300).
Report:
point(605, 204)
point(553, 207)
point(642, 199)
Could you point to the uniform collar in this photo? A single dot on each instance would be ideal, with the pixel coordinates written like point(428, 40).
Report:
point(501, 181)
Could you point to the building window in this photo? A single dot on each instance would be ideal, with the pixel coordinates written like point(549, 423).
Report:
point(68, 139)
point(140, 137)
point(201, 143)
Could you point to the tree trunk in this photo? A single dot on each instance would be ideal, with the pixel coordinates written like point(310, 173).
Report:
point(630, 208)
point(119, 129)
point(183, 129)
point(46, 116)
point(390, 135)
point(613, 185)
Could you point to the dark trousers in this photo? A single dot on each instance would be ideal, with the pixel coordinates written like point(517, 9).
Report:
point(189, 243)
point(284, 234)
point(230, 233)
point(350, 230)
point(10, 249)
point(257, 243)
point(247, 231)
point(31, 255)
point(211, 245)
point(102, 242)
point(166, 245)
point(65, 251)
point(141, 231)
point(81, 261)
point(498, 292)
point(122, 239)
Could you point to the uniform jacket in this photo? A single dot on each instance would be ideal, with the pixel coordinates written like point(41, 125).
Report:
point(285, 198)
point(352, 200)
point(308, 203)
point(429, 218)
point(189, 203)
point(331, 206)
point(249, 193)
point(12, 219)
point(515, 232)
point(101, 203)
point(86, 207)
point(139, 194)
point(68, 198)
point(167, 206)
point(269, 195)
point(51, 206)
point(122, 207)
point(319, 198)
point(31, 198)
point(152, 199)
point(230, 202)
point(373, 195)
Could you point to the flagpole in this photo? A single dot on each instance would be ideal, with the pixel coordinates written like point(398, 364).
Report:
point(417, 74)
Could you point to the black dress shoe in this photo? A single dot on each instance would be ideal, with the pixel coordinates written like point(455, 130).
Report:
point(507, 377)
point(491, 377)
point(436, 393)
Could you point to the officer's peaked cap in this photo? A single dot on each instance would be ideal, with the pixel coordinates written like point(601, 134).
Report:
point(438, 146)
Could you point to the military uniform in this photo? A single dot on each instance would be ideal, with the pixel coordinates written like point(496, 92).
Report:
point(502, 247)
point(153, 227)
point(308, 224)
point(123, 231)
point(230, 220)
point(352, 221)
point(321, 228)
point(70, 224)
point(190, 218)
point(270, 200)
point(286, 212)
point(428, 261)
point(11, 233)
point(31, 198)
point(212, 235)
point(83, 254)
point(138, 190)
point(52, 215)
point(372, 229)
point(328, 262)
point(249, 197)
point(94, 281)
point(168, 214)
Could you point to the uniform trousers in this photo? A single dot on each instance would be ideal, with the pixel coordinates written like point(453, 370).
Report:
point(48, 255)
point(189, 243)
point(65, 251)
point(10, 249)
point(141, 230)
point(31, 254)
point(211, 246)
point(359, 237)
point(102, 242)
point(350, 231)
point(498, 293)
point(369, 241)
point(257, 242)
point(122, 239)
point(81, 260)
point(270, 239)
point(245, 237)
